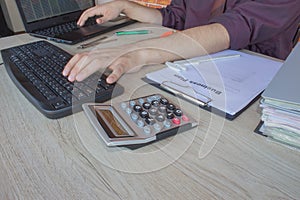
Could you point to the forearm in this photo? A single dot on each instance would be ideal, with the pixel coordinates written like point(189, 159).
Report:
point(186, 44)
point(141, 13)
point(212, 38)
point(182, 45)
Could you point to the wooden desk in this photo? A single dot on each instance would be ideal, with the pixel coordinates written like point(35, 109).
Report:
point(64, 159)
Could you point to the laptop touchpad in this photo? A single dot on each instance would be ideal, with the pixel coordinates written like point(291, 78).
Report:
point(83, 31)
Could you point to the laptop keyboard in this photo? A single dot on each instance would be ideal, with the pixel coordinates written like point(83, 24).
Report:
point(64, 28)
point(36, 69)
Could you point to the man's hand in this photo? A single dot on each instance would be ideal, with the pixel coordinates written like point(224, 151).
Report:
point(106, 11)
point(116, 59)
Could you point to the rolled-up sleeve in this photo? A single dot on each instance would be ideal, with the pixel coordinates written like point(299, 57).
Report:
point(255, 21)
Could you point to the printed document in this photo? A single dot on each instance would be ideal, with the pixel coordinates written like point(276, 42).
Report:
point(228, 84)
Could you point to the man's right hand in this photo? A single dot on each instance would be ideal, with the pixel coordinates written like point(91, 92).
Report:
point(107, 11)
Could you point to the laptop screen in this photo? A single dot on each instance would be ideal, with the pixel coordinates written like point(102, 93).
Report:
point(35, 10)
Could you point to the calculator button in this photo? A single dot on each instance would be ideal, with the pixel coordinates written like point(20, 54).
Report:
point(123, 105)
point(162, 109)
point(157, 127)
point(153, 111)
point(147, 129)
point(155, 103)
point(170, 115)
point(176, 121)
point(156, 97)
point(137, 108)
point(164, 101)
point(131, 103)
point(140, 123)
point(141, 100)
point(144, 114)
point(171, 106)
point(151, 98)
point(128, 111)
point(178, 112)
point(167, 124)
point(150, 120)
point(146, 105)
point(134, 116)
point(160, 118)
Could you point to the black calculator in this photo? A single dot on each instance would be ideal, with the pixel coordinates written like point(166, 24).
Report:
point(138, 121)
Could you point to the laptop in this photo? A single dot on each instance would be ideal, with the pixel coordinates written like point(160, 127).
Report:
point(55, 20)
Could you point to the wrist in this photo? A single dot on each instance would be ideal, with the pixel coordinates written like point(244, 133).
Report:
point(125, 6)
point(150, 55)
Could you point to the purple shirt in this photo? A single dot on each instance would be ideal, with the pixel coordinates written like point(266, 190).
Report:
point(263, 26)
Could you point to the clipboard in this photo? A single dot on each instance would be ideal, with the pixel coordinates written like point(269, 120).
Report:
point(252, 72)
point(197, 102)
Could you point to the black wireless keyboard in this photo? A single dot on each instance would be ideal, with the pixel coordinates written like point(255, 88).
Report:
point(36, 69)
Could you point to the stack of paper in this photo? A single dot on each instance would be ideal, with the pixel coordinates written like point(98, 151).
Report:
point(281, 103)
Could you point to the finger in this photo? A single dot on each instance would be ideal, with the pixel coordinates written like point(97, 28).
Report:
point(100, 20)
point(87, 14)
point(112, 78)
point(88, 70)
point(103, 19)
point(83, 63)
point(71, 64)
point(117, 71)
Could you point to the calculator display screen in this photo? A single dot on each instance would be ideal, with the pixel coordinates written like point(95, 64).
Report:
point(111, 125)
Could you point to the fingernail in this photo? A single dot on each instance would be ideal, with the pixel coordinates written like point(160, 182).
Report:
point(110, 80)
point(99, 21)
point(79, 78)
point(71, 78)
point(64, 73)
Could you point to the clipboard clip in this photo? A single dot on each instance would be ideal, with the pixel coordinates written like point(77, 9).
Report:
point(202, 103)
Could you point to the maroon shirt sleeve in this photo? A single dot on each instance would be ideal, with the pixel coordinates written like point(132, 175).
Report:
point(174, 15)
point(256, 21)
point(184, 14)
point(263, 26)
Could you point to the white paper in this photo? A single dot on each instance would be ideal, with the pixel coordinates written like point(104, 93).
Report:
point(231, 83)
